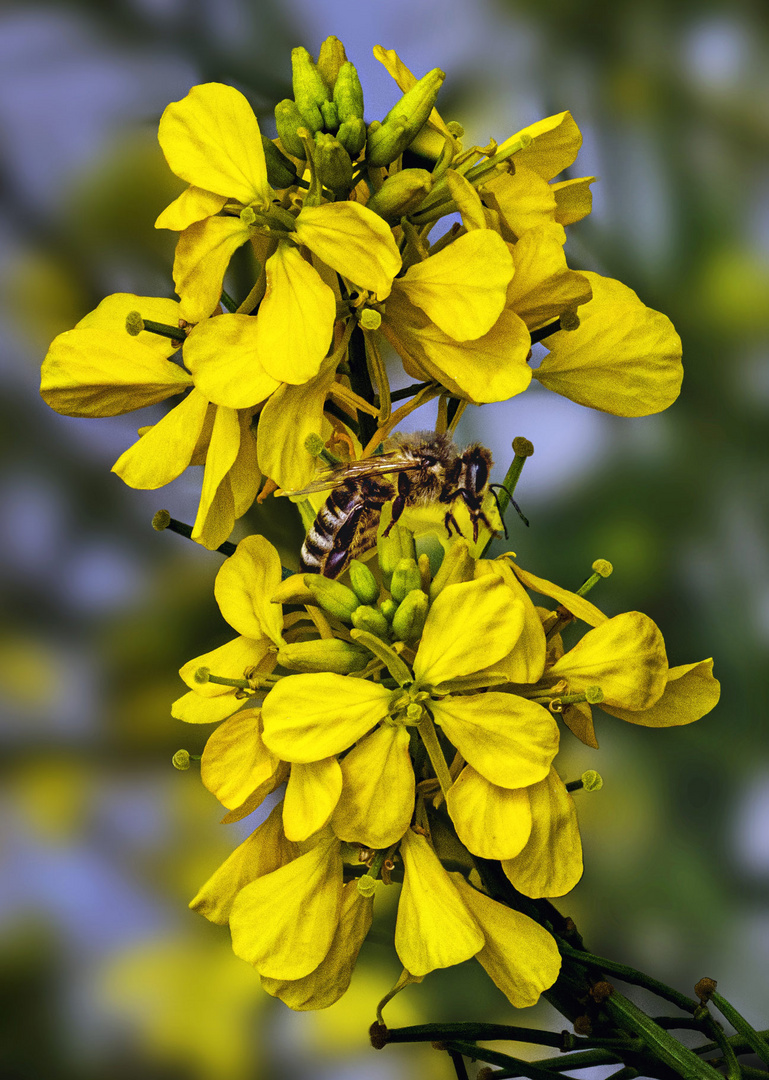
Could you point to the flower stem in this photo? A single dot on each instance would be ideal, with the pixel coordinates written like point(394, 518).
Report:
point(754, 1040)
point(430, 739)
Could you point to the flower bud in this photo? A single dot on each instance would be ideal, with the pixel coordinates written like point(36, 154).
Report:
point(332, 163)
point(330, 116)
point(280, 169)
point(397, 545)
point(457, 566)
point(348, 94)
point(363, 582)
point(323, 654)
point(388, 608)
point(310, 91)
point(409, 619)
point(372, 620)
point(400, 194)
point(332, 596)
point(352, 136)
point(406, 577)
point(404, 121)
point(331, 59)
point(288, 120)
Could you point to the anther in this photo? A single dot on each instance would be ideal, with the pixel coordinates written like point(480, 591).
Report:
point(248, 215)
point(315, 445)
point(601, 568)
point(163, 520)
point(181, 760)
point(370, 319)
point(589, 781)
point(569, 320)
point(134, 324)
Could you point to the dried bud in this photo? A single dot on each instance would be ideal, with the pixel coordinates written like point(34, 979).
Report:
point(705, 989)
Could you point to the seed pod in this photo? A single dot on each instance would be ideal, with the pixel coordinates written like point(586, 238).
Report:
point(280, 169)
point(310, 91)
point(405, 577)
point(288, 120)
point(333, 596)
point(457, 566)
point(323, 654)
point(404, 121)
point(332, 163)
point(352, 136)
point(372, 620)
point(348, 94)
point(363, 582)
point(409, 620)
point(400, 194)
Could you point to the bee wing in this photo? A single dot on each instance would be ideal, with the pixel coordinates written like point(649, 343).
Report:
point(356, 470)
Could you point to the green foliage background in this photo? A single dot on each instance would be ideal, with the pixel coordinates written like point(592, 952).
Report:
point(102, 971)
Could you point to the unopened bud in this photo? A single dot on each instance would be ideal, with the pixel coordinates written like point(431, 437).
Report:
point(397, 545)
point(457, 566)
point(332, 163)
point(280, 169)
point(288, 121)
point(400, 194)
point(371, 620)
point(365, 585)
point(352, 136)
point(310, 91)
point(348, 94)
point(388, 608)
point(404, 121)
point(332, 596)
point(331, 59)
point(323, 654)
point(409, 620)
point(405, 577)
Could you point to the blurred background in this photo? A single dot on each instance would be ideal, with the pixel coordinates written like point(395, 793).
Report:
point(103, 971)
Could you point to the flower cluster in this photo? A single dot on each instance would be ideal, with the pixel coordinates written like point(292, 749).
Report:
point(350, 250)
point(413, 719)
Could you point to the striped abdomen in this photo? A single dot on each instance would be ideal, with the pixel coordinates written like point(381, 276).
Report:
point(346, 525)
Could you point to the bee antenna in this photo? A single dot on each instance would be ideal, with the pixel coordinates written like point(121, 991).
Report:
point(518, 510)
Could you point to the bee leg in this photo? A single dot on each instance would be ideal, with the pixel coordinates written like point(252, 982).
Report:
point(450, 520)
point(399, 505)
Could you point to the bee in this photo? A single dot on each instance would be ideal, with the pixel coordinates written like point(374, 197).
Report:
point(425, 467)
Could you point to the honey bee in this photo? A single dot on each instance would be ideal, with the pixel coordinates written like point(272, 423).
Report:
point(427, 468)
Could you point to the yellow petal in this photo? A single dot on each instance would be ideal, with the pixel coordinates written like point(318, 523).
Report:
point(573, 199)
point(203, 254)
point(577, 605)
point(235, 761)
point(377, 798)
point(284, 922)
point(111, 314)
point(215, 519)
point(222, 355)
point(490, 368)
point(471, 624)
point(462, 288)
point(311, 717)
point(555, 144)
point(434, 928)
point(165, 451)
point(551, 862)
point(265, 850)
point(312, 793)
point(691, 692)
point(543, 286)
point(244, 588)
point(625, 656)
point(624, 358)
point(245, 476)
point(288, 417)
point(194, 709)
point(194, 204)
point(296, 318)
point(355, 241)
point(578, 718)
point(229, 661)
point(523, 199)
point(211, 139)
point(95, 372)
point(491, 821)
point(519, 954)
point(329, 981)
point(526, 662)
point(509, 740)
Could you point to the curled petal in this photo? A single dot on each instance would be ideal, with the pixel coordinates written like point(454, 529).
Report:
point(691, 692)
point(573, 199)
point(555, 143)
point(216, 511)
point(577, 605)
point(543, 286)
point(203, 254)
point(523, 199)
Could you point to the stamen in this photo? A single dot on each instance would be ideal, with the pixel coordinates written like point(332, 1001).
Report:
point(602, 568)
point(203, 675)
point(134, 324)
point(589, 781)
point(163, 520)
point(183, 758)
point(315, 446)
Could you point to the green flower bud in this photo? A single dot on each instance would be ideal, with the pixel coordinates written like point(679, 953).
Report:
point(330, 116)
point(331, 59)
point(404, 121)
point(280, 169)
point(323, 654)
point(400, 194)
point(372, 620)
point(388, 608)
point(333, 596)
point(409, 619)
point(363, 582)
point(332, 163)
point(310, 91)
point(405, 577)
point(348, 94)
point(352, 136)
point(457, 566)
point(391, 549)
point(288, 120)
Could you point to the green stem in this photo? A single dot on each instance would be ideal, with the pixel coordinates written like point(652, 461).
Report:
point(630, 975)
point(492, 1057)
point(664, 1048)
point(733, 1071)
point(754, 1040)
point(429, 737)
